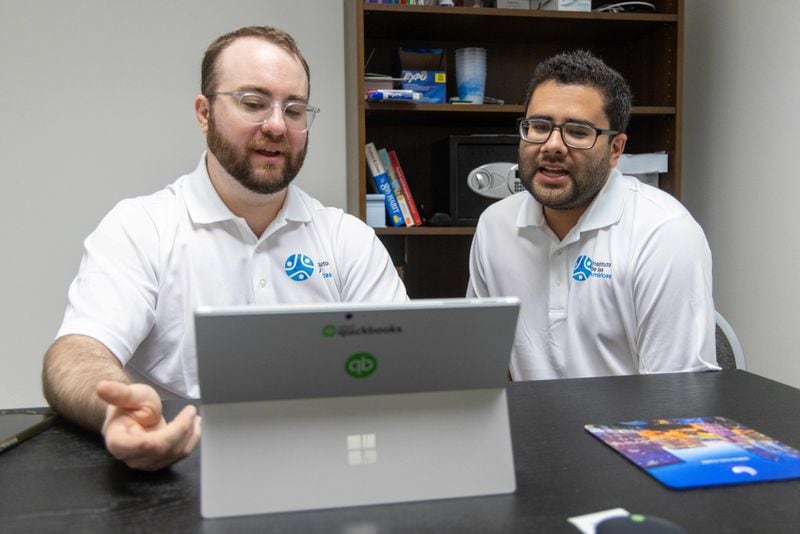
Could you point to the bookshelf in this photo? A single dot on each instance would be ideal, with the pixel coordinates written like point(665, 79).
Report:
point(646, 48)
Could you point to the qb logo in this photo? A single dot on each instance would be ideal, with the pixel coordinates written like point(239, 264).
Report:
point(361, 365)
point(329, 330)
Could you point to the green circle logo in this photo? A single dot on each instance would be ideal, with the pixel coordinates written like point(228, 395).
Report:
point(361, 365)
point(329, 330)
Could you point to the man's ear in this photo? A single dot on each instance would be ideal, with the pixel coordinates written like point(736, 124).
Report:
point(617, 147)
point(202, 110)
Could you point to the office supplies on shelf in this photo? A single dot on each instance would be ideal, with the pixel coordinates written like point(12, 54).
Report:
point(379, 82)
point(645, 167)
point(424, 70)
point(471, 74)
point(562, 5)
point(393, 95)
point(376, 210)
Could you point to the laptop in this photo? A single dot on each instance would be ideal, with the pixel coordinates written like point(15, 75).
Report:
point(323, 406)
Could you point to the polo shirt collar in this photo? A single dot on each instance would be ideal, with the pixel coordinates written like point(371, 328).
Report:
point(205, 205)
point(605, 209)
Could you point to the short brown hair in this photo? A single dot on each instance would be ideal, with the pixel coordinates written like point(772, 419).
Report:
point(208, 69)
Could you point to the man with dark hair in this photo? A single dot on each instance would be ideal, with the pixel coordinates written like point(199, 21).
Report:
point(234, 231)
point(614, 275)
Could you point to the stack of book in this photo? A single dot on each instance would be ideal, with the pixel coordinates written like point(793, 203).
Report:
point(390, 181)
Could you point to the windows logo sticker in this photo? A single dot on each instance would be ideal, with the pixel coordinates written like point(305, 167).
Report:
point(360, 365)
point(583, 269)
point(361, 449)
point(299, 267)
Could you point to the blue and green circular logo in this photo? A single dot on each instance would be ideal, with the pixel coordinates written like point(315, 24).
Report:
point(360, 365)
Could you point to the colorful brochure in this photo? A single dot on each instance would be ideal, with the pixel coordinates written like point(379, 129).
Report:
point(701, 451)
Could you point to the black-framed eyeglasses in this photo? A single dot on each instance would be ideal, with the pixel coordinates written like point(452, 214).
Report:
point(256, 108)
point(573, 134)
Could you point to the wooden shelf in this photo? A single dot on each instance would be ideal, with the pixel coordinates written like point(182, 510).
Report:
point(507, 25)
point(376, 108)
point(427, 230)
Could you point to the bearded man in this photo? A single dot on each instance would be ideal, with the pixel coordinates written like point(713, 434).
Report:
point(234, 231)
point(614, 276)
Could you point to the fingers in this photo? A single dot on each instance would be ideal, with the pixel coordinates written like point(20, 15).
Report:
point(158, 448)
point(127, 396)
point(191, 433)
point(138, 401)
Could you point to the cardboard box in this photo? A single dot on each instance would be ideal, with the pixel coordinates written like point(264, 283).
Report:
point(563, 5)
point(424, 70)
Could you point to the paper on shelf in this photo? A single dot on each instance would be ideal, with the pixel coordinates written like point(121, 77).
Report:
point(645, 167)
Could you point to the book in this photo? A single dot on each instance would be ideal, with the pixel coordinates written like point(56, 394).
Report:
point(396, 188)
point(700, 451)
point(401, 177)
point(383, 185)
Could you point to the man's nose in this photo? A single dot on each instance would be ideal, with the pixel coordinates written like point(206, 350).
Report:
point(276, 122)
point(555, 143)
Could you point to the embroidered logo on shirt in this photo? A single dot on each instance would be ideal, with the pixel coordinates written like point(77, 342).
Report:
point(585, 268)
point(299, 267)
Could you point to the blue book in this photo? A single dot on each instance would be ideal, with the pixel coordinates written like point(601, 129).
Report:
point(396, 187)
point(384, 186)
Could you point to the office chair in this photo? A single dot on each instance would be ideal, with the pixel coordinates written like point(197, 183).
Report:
point(729, 351)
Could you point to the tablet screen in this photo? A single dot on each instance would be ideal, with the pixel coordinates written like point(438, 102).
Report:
point(19, 425)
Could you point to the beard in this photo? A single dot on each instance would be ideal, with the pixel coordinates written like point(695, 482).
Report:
point(266, 179)
point(583, 186)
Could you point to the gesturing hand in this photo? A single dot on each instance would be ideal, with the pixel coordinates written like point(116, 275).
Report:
point(136, 432)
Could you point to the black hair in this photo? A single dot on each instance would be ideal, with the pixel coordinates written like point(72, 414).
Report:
point(581, 67)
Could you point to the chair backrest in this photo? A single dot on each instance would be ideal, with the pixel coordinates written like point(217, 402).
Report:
point(730, 354)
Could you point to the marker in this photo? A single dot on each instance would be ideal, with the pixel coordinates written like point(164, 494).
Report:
point(393, 94)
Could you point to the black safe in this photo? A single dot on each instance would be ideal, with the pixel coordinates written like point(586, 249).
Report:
point(468, 152)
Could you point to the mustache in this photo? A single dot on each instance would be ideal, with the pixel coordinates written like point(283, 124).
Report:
point(267, 144)
point(550, 158)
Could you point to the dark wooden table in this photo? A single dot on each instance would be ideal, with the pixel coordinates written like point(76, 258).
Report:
point(64, 481)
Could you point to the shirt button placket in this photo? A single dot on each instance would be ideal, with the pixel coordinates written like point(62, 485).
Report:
point(558, 285)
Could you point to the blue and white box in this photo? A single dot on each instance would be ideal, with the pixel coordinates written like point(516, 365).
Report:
point(424, 70)
point(376, 211)
point(431, 84)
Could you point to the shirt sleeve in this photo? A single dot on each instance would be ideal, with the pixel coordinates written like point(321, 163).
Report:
point(673, 300)
point(113, 297)
point(369, 275)
point(476, 287)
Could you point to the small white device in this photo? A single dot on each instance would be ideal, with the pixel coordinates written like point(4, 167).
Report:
point(495, 180)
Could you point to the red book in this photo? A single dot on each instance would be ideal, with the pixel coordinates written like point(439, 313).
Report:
point(401, 177)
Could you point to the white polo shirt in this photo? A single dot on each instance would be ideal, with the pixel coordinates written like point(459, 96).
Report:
point(628, 289)
point(154, 259)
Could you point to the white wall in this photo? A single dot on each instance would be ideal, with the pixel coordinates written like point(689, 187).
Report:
point(96, 105)
point(741, 178)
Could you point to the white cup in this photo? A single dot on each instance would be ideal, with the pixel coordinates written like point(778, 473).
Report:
point(471, 74)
